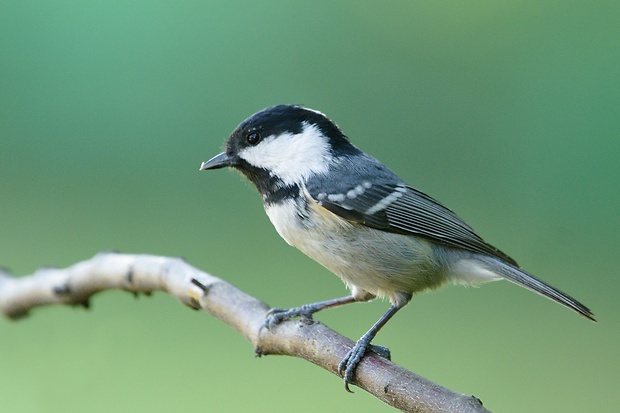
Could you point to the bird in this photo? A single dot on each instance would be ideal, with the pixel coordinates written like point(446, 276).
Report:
point(353, 215)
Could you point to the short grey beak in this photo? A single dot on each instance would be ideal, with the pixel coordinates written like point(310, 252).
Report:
point(218, 161)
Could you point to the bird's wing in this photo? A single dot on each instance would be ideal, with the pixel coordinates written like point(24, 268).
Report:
point(390, 205)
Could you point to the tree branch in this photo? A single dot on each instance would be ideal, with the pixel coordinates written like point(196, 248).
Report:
point(312, 341)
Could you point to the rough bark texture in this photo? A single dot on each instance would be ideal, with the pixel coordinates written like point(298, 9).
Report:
point(311, 341)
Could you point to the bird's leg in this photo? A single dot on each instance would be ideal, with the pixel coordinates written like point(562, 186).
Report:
point(277, 315)
point(348, 365)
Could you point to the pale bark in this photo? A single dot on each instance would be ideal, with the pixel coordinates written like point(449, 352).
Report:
point(312, 341)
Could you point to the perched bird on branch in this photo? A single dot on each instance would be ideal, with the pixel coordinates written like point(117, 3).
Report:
point(353, 215)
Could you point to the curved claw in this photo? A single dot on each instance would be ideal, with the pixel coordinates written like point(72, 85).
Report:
point(348, 365)
point(274, 317)
point(346, 371)
point(274, 310)
point(381, 351)
point(346, 387)
point(277, 315)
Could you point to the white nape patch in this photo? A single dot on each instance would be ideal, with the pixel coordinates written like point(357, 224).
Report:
point(472, 272)
point(315, 111)
point(387, 201)
point(292, 158)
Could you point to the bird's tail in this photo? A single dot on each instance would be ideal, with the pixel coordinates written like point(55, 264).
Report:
point(524, 279)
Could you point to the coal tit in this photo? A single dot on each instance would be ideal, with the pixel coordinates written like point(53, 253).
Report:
point(353, 215)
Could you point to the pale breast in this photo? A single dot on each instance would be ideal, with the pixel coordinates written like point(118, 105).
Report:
point(379, 262)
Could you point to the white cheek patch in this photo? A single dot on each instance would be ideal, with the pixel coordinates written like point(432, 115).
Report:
point(292, 158)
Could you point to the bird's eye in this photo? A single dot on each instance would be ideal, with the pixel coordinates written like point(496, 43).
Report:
point(253, 138)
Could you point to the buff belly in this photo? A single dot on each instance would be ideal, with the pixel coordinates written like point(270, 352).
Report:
point(381, 263)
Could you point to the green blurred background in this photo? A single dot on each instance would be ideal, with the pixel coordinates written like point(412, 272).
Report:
point(508, 112)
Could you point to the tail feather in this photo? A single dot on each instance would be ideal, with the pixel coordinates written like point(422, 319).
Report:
point(524, 279)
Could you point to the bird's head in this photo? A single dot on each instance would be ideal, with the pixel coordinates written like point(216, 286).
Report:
point(282, 146)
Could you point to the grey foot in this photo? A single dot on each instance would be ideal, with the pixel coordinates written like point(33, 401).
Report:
point(381, 351)
point(277, 315)
point(349, 363)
